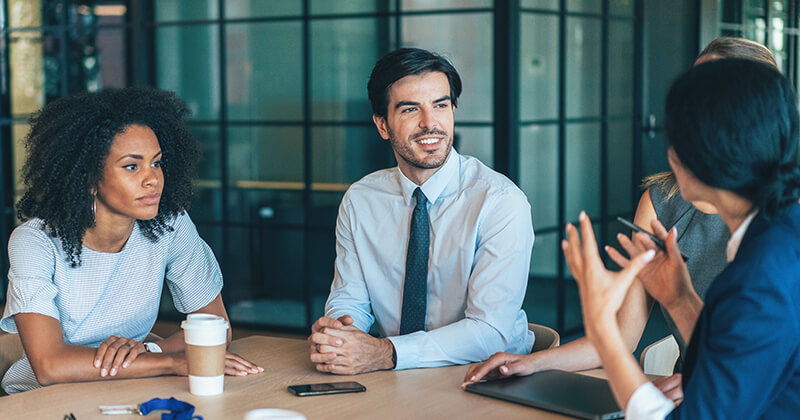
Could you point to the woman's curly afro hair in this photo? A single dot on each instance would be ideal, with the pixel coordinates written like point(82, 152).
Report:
point(67, 146)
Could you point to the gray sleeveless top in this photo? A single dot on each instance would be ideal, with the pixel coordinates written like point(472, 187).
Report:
point(702, 237)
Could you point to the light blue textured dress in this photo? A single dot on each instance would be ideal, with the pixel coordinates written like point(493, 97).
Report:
point(109, 293)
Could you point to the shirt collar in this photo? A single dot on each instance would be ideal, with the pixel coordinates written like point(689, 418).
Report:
point(736, 237)
point(433, 187)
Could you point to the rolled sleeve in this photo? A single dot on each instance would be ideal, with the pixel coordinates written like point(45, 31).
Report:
point(30, 276)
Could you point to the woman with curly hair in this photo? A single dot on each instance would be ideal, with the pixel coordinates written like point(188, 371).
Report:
point(108, 179)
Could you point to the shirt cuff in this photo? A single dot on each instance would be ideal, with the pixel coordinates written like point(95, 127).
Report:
point(647, 403)
point(407, 349)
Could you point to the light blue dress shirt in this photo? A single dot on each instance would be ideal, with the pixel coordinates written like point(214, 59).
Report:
point(480, 250)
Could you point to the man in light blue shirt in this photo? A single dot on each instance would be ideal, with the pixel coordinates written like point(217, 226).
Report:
point(436, 250)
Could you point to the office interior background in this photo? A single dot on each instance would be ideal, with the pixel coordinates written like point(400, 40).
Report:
point(563, 96)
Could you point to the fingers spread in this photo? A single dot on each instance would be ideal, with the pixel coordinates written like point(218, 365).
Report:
point(616, 256)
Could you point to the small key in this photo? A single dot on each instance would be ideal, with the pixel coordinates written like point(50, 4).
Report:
point(121, 409)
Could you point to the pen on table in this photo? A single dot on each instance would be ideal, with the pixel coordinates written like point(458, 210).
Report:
point(659, 243)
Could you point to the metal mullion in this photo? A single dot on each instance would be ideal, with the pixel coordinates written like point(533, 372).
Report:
point(767, 24)
point(64, 32)
point(638, 99)
point(604, 190)
point(223, 138)
point(562, 136)
point(6, 153)
point(398, 21)
point(506, 81)
point(307, 159)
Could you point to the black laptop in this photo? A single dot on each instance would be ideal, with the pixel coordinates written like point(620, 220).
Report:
point(563, 392)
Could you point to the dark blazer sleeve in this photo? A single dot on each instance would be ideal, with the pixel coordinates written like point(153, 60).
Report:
point(747, 342)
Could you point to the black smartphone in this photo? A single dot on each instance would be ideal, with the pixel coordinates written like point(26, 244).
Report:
point(326, 388)
point(659, 243)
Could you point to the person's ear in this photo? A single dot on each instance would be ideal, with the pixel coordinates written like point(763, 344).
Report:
point(380, 124)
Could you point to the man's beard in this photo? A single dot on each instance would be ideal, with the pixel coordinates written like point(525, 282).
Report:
point(407, 154)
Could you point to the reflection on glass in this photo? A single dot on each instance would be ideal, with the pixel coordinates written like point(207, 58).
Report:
point(207, 199)
point(328, 7)
point(265, 277)
point(266, 157)
point(470, 53)
point(172, 10)
point(620, 8)
point(620, 68)
point(584, 61)
point(18, 133)
point(539, 4)
point(108, 64)
point(583, 170)
point(262, 8)
point(538, 172)
point(343, 155)
point(343, 52)
point(444, 4)
point(620, 166)
point(265, 71)
point(585, 6)
point(187, 62)
point(476, 142)
point(24, 13)
point(538, 67)
point(541, 297)
point(544, 258)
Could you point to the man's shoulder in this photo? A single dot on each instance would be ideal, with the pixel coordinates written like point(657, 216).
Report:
point(477, 177)
point(382, 181)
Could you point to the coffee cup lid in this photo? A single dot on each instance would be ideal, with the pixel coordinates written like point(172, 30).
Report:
point(273, 414)
point(203, 320)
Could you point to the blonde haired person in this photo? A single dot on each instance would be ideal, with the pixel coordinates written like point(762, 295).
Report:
point(701, 235)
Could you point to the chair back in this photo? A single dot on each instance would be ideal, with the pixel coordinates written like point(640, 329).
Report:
point(546, 338)
point(659, 358)
point(10, 352)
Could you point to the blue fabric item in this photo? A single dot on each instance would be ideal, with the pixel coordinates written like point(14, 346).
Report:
point(415, 287)
point(177, 409)
point(743, 360)
point(479, 259)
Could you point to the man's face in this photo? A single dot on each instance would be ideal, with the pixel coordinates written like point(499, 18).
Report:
point(419, 123)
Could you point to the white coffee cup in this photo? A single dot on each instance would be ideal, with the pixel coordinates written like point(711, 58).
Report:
point(273, 414)
point(206, 338)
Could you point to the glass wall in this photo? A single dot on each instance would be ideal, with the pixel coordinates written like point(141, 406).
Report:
point(576, 134)
point(773, 23)
point(277, 91)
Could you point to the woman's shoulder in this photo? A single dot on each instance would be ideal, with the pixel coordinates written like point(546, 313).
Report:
point(668, 208)
point(31, 231)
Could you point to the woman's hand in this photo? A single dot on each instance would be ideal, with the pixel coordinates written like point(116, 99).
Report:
point(671, 387)
point(500, 365)
point(236, 365)
point(666, 278)
point(116, 352)
point(602, 291)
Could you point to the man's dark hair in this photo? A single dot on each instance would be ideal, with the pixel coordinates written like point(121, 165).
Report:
point(405, 62)
point(67, 146)
point(734, 124)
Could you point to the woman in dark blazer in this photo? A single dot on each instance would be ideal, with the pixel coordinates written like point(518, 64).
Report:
point(733, 132)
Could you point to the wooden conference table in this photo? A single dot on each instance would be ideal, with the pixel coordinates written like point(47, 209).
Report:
point(416, 393)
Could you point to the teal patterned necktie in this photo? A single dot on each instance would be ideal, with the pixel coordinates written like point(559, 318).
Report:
point(415, 287)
